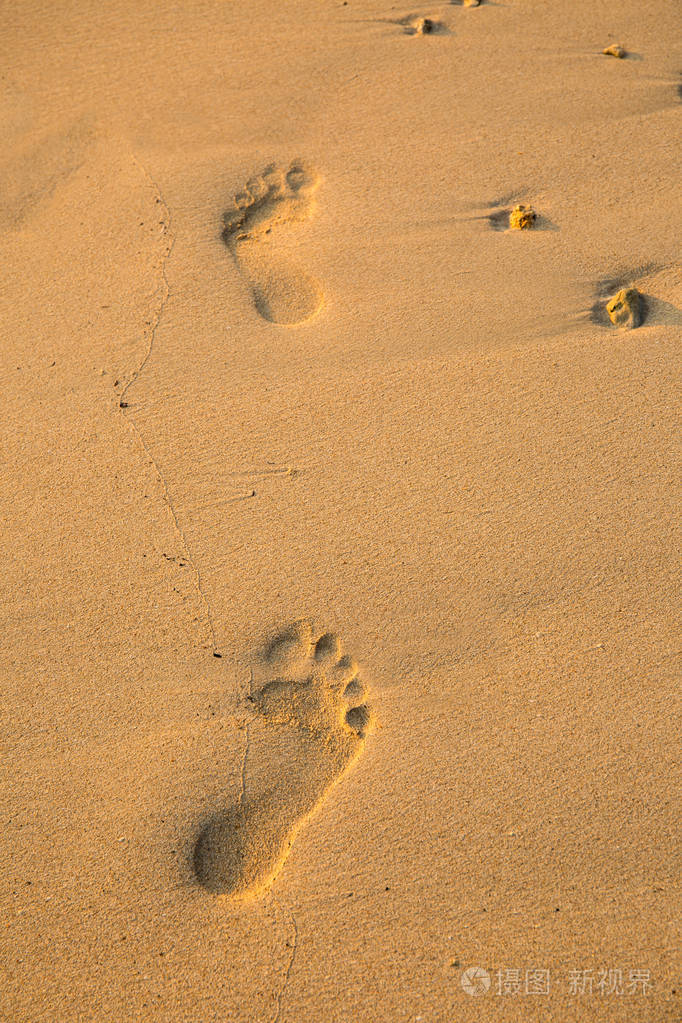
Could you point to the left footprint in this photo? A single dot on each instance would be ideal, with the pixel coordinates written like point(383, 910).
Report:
point(283, 292)
point(312, 716)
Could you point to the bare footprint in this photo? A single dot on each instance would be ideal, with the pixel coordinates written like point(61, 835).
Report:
point(310, 725)
point(283, 292)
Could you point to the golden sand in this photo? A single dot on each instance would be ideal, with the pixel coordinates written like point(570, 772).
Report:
point(265, 362)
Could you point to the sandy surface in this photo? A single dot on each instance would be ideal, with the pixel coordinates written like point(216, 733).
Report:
point(454, 462)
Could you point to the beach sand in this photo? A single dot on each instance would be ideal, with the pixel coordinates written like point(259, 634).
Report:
point(339, 525)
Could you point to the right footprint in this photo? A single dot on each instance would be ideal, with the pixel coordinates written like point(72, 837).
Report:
point(283, 292)
point(310, 725)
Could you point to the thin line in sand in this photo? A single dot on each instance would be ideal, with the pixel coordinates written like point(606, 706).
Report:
point(287, 972)
point(247, 726)
point(123, 405)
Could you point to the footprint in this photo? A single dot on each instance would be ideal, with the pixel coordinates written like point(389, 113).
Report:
point(283, 292)
point(309, 725)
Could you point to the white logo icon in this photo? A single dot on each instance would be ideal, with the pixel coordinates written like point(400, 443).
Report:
point(476, 980)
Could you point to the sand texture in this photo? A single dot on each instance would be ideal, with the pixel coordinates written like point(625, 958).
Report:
point(340, 512)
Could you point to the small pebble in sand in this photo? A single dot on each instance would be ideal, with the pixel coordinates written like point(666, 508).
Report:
point(522, 218)
point(615, 50)
point(625, 308)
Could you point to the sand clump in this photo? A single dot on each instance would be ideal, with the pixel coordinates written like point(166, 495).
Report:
point(625, 309)
point(419, 26)
point(522, 218)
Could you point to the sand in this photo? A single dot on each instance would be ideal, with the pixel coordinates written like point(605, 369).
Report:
point(339, 523)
